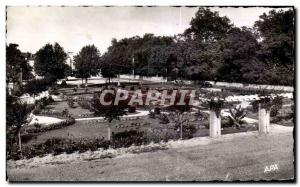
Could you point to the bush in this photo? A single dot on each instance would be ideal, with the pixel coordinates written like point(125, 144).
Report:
point(37, 109)
point(157, 110)
point(270, 104)
point(85, 104)
point(236, 117)
point(131, 109)
point(277, 105)
point(70, 102)
point(63, 83)
point(188, 130)
point(36, 86)
point(35, 129)
point(57, 146)
point(65, 113)
point(163, 119)
point(127, 138)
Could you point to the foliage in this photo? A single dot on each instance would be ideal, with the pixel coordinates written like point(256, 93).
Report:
point(127, 138)
point(71, 102)
point(63, 83)
point(44, 128)
point(85, 104)
point(110, 111)
point(277, 103)
point(16, 112)
point(236, 116)
point(57, 146)
point(163, 119)
point(16, 63)
point(216, 105)
point(269, 103)
point(131, 109)
point(50, 62)
point(36, 86)
point(17, 115)
point(276, 29)
point(87, 62)
point(215, 26)
point(182, 120)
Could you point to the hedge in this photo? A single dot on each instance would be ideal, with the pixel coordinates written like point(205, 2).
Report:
point(43, 128)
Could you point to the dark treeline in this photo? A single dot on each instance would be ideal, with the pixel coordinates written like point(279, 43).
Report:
point(212, 48)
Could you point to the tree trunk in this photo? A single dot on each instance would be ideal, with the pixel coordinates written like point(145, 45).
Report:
point(20, 141)
point(86, 80)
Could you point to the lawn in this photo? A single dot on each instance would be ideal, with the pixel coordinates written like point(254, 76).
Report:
point(92, 129)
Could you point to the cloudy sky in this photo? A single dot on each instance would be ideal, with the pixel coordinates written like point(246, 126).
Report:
point(74, 27)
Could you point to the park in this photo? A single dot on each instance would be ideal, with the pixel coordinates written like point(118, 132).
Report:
point(201, 106)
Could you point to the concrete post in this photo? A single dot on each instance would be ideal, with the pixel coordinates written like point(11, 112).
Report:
point(263, 120)
point(214, 125)
point(109, 133)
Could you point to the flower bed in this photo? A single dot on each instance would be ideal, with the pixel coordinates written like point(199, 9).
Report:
point(43, 128)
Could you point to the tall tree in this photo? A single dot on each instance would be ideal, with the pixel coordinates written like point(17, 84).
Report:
point(50, 62)
point(111, 111)
point(86, 62)
point(16, 116)
point(277, 32)
point(207, 25)
point(238, 56)
point(17, 67)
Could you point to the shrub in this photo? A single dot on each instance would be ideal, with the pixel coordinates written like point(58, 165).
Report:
point(65, 113)
point(157, 110)
point(216, 105)
point(70, 102)
point(188, 130)
point(85, 104)
point(127, 138)
point(131, 109)
point(34, 129)
point(37, 109)
point(63, 83)
point(163, 119)
point(151, 114)
point(276, 106)
point(270, 104)
point(57, 146)
point(236, 117)
point(36, 86)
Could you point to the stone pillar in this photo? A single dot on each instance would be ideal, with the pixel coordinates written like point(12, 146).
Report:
point(263, 120)
point(214, 125)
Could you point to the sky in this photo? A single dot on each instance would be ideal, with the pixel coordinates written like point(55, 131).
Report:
point(74, 27)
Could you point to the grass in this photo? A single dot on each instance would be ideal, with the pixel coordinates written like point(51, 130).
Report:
point(92, 129)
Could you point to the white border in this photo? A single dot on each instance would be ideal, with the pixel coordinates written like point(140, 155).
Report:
point(4, 3)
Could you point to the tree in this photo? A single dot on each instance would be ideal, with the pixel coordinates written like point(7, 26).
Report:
point(149, 53)
point(111, 111)
point(36, 86)
point(50, 62)
point(16, 116)
point(86, 62)
point(276, 30)
point(17, 68)
point(208, 25)
point(239, 58)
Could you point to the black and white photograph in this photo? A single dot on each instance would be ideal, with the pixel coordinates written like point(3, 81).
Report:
point(150, 93)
